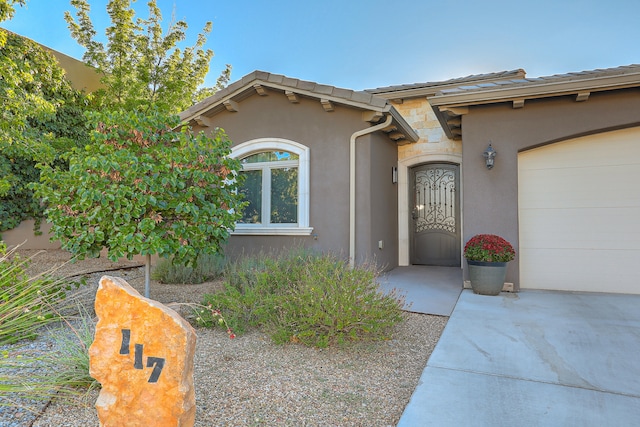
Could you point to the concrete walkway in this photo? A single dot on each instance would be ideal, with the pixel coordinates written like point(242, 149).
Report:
point(535, 358)
point(428, 290)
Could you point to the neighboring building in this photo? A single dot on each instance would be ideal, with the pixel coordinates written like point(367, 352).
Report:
point(563, 189)
point(84, 78)
point(81, 76)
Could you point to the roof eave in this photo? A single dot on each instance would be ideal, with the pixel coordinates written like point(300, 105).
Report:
point(543, 89)
point(448, 107)
point(247, 86)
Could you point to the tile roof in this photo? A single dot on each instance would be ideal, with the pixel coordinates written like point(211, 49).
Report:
point(518, 73)
point(252, 82)
point(556, 78)
point(302, 87)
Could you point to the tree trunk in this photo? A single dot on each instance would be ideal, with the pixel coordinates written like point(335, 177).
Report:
point(147, 274)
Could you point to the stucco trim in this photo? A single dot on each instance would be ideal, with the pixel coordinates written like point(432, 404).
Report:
point(261, 144)
point(404, 165)
point(272, 231)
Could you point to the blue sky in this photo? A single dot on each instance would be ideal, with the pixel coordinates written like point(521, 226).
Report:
point(360, 44)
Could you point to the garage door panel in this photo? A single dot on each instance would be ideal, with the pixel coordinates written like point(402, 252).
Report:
point(579, 214)
point(599, 152)
point(590, 271)
point(612, 228)
point(579, 187)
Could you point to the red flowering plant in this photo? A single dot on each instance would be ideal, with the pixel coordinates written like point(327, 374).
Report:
point(488, 248)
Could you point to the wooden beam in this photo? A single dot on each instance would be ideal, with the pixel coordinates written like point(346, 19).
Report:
point(455, 121)
point(518, 103)
point(582, 96)
point(203, 121)
point(327, 105)
point(293, 98)
point(372, 116)
point(456, 132)
point(231, 106)
point(456, 111)
point(396, 136)
point(260, 90)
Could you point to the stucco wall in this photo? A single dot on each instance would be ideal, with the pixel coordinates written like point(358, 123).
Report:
point(491, 196)
point(327, 135)
point(24, 236)
point(383, 203)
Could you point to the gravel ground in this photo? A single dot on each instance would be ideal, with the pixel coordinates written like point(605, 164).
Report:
point(250, 381)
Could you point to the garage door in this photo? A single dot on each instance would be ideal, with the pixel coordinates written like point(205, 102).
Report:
point(579, 214)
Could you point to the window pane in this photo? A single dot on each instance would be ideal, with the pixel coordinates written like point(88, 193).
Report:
point(251, 192)
point(284, 196)
point(270, 156)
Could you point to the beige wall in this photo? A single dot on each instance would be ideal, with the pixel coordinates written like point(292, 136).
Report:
point(24, 235)
point(491, 196)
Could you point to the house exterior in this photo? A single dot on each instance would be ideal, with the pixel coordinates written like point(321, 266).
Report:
point(397, 174)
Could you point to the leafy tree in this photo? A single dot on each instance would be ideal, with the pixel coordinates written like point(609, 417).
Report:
point(7, 10)
point(41, 118)
point(141, 65)
point(143, 187)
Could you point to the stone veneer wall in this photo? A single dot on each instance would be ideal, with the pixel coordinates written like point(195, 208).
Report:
point(420, 116)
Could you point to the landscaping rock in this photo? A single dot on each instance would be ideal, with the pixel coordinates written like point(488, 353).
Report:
point(142, 355)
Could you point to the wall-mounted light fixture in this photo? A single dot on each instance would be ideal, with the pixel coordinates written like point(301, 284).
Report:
point(394, 175)
point(489, 156)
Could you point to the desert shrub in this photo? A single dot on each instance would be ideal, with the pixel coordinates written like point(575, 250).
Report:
point(317, 300)
point(26, 303)
point(70, 360)
point(207, 267)
point(28, 376)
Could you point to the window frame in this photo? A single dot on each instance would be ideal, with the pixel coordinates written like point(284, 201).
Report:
point(302, 227)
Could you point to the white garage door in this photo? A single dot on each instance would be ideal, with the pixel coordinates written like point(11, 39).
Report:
point(579, 214)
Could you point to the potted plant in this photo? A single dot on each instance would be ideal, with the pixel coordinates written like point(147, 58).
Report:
point(487, 257)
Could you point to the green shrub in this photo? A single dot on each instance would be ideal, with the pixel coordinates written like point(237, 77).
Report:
point(26, 303)
point(317, 300)
point(208, 267)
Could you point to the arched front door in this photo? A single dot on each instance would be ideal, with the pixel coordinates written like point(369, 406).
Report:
point(435, 215)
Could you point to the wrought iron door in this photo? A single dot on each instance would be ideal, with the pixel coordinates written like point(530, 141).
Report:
point(435, 213)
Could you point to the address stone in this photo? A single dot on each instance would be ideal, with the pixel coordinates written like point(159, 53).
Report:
point(142, 355)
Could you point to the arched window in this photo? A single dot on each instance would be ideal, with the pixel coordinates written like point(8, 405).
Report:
point(276, 187)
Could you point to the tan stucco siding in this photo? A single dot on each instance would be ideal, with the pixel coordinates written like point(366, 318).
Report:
point(384, 202)
point(327, 136)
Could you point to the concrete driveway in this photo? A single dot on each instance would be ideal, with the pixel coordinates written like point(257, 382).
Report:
point(535, 358)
